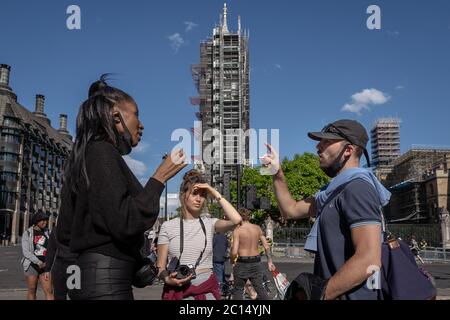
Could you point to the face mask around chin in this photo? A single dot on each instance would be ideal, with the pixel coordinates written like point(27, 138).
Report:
point(124, 144)
point(333, 169)
point(124, 141)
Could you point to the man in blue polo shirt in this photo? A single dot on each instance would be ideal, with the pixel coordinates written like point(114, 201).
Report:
point(346, 236)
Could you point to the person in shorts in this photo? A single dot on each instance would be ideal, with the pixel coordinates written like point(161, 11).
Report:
point(34, 249)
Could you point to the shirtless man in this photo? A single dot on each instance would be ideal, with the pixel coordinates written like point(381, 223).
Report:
point(246, 238)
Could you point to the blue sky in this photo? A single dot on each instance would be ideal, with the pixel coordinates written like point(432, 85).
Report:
point(308, 59)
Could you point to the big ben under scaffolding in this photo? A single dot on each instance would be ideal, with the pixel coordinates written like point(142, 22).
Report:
point(222, 80)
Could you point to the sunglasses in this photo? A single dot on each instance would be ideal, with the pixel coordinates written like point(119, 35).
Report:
point(195, 179)
point(332, 129)
point(191, 180)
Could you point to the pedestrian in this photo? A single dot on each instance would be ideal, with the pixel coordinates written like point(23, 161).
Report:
point(220, 256)
point(104, 208)
point(148, 248)
point(34, 249)
point(414, 246)
point(185, 244)
point(245, 247)
point(346, 236)
point(423, 244)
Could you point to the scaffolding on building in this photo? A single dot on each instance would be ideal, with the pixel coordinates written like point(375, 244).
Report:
point(415, 162)
point(406, 182)
point(222, 81)
point(385, 137)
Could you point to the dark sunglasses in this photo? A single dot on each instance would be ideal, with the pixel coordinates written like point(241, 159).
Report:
point(191, 181)
point(332, 129)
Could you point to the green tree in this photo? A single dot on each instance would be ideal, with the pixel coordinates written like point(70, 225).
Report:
point(215, 210)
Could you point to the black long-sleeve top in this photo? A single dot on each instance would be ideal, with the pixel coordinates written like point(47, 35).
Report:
point(51, 252)
point(112, 215)
point(56, 250)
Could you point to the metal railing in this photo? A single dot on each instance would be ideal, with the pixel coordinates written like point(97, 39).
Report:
point(296, 250)
point(289, 242)
point(435, 254)
point(290, 250)
point(431, 233)
point(290, 235)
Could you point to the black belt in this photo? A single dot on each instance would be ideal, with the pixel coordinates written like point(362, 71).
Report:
point(249, 259)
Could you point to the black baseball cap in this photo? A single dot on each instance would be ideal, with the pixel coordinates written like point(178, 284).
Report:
point(344, 129)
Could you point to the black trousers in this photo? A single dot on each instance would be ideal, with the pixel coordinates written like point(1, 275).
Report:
point(248, 271)
point(59, 278)
point(104, 278)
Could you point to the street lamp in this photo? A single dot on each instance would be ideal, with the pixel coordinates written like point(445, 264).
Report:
point(165, 201)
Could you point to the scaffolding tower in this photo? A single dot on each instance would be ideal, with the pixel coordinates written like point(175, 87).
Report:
point(222, 80)
point(385, 137)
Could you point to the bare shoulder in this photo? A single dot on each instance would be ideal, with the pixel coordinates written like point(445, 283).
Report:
point(256, 228)
point(237, 230)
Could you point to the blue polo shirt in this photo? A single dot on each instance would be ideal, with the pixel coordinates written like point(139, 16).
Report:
point(353, 205)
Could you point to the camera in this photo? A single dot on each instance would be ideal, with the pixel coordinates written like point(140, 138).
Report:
point(184, 271)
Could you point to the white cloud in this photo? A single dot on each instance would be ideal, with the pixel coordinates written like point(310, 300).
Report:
point(176, 41)
point(190, 25)
point(278, 66)
point(399, 87)
point(142, 147)
point(364, 99)
point(137, 167)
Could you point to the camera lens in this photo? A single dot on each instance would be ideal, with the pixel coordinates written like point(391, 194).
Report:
point(183, 270)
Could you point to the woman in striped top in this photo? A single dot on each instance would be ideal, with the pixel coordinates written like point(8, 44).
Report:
point(185, 243)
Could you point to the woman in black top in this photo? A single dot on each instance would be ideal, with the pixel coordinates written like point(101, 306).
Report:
point(104, 209)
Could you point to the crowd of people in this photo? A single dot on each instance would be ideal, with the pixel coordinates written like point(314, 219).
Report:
point(105, 213)
point(230, 255)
